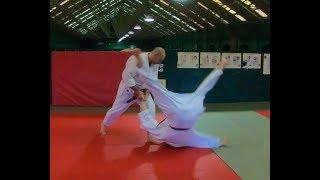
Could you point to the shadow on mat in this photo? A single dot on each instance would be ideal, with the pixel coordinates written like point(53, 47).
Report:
point(163, 163)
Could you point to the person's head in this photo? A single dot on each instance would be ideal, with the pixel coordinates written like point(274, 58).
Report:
point(157, 55)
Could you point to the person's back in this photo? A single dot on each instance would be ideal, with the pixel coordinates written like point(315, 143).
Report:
point(131, 68)
point(182, 111)
point(164, 132)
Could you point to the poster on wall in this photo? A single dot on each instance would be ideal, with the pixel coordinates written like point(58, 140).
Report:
point(266, 64)
point(252, 60)
point(234, 60)
point(188, 60)
point(209, 59)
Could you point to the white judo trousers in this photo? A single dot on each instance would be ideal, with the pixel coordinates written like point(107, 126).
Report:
point(124, 93)
point(181, 110)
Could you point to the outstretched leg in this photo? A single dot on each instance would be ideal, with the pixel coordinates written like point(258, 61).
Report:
point(166, 100)
point(192, 138)
point(210, 81)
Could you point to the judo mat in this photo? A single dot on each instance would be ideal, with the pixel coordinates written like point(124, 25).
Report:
point(265, 113)
point(248, 132)
point(78, 152)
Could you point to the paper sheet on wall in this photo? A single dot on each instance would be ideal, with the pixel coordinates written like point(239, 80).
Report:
point(188, 60)
point(252, 60)
point(209, 59)
point(266, 64)
point(234, 60)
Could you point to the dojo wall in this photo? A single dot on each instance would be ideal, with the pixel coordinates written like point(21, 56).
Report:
point(92, 78)
point(85, 78)
point(236, 85)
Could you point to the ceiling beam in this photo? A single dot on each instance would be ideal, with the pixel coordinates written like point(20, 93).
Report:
point(67, 11)
point(177, 12)
point(251, 11)
point(190, 9)
point(102, 24)
point(208, 15)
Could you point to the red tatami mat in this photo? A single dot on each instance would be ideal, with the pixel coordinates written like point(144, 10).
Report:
point(265, 113)
point(78, 152)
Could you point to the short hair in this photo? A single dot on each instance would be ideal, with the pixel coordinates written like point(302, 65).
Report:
point(159, 51)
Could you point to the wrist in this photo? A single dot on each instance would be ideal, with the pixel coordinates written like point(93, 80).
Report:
point(143, 105)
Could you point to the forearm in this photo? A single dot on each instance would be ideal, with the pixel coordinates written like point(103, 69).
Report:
point(143, 107)
point(135, 50)
point(129, 72)
point(136, 53)
point(126, 50)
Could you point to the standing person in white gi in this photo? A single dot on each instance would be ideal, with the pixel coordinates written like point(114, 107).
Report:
point(181, 110)
point(129, 90)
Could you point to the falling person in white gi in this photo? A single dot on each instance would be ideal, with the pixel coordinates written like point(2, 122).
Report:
point(181, 111)
point(129, 90)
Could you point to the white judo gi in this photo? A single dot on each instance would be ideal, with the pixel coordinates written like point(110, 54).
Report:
point(181, 111)
point(124, 92)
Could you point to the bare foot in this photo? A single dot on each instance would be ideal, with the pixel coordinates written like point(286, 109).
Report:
point(103, 129)
point(223, 141)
